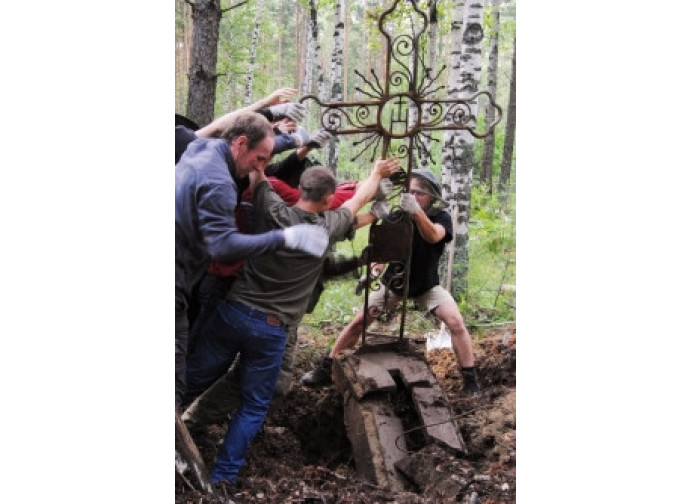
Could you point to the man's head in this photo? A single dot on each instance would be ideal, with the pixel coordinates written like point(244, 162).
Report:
point(317, 186)
point(425, 188)
point(251, 139)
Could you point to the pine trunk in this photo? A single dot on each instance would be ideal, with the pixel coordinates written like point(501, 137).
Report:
point(201, 95)
point(488, 155)
point(509, 141)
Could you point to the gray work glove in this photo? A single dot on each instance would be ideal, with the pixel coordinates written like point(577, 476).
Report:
point(308, 238)
point(319, 139)
point(409, 204)
point(384, 189)
point(292, 110)
point(301, 136)
point(379, 210)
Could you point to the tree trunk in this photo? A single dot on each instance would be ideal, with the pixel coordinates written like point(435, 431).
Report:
point(202, 73)
point(509, 141)
point(311, 60)
point(458, 157)
point(336, 78)
point(488, 156)
point(425, 161)
point(252, 54)
point(183, 42)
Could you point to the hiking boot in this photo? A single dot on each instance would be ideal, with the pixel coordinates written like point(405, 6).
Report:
point(320, 376)
point(470, 383)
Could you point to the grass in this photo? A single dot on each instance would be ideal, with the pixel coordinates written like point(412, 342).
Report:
point(490, 297)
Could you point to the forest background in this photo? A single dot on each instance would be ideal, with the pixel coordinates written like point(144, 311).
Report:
point(267, 44)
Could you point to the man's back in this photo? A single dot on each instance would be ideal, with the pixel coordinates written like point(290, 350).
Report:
point(282, 282)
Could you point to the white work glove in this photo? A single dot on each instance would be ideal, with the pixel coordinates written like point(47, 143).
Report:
point(379, 210)
point(308, 238)
point(409, 204)
point(319, 139)
point(292, 110)
point(384, 189)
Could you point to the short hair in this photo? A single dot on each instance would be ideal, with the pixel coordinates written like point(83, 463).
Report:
point(316, 183)
point(250, 124)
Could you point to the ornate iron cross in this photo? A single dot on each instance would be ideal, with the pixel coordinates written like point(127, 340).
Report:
point(398, 121)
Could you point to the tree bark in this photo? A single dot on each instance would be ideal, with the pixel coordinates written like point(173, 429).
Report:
point(509, 141)
point(202, 73)
point(336, 78)
point(425, 161)
point(458, 157)
point(486, 176)
point(252, 54)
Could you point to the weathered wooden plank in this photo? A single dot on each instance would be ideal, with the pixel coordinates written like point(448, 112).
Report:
point(187, 456)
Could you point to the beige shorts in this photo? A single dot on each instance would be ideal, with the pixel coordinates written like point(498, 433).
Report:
point(431, 299)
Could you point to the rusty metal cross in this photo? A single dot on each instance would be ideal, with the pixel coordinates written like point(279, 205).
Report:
point(398, 121)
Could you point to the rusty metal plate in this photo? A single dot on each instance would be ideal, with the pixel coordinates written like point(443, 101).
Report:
point(390, 241)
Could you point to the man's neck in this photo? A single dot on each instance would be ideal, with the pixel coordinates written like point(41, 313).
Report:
point(310, 206)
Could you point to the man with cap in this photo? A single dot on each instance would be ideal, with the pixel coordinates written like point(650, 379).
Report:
point(433, 228)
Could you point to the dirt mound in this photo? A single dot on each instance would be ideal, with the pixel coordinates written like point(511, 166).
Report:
point(303, 455)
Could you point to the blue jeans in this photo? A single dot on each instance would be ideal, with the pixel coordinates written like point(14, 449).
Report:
point(237, 328)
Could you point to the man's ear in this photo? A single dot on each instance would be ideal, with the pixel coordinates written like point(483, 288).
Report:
point(329, 200)
point(237, 143)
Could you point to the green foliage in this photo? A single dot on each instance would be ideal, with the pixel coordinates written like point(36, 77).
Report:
point(490, 296)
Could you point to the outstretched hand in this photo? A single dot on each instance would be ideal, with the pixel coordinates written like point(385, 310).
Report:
point(386, 167)
point(281, 95)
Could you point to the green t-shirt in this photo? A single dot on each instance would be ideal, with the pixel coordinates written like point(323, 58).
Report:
point(281, 282)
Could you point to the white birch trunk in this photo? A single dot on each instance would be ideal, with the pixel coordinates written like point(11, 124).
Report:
point(336, 77)
point(252, 55)
point(458, 155)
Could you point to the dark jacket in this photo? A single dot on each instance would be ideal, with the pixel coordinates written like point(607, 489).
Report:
point(205, 230)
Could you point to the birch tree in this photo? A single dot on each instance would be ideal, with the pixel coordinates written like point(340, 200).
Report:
point(458, 146)
point(252, 54)
point(509, 141)
point(312, 62)
point(336, 76)
point(486, 175)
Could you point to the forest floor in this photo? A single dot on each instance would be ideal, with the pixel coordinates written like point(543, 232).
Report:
point(302, 453)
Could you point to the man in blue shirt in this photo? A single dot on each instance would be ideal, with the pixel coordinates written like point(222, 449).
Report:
point(205, 200)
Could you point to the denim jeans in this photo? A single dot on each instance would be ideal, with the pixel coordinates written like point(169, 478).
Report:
point(211, 290)
point(237, 328)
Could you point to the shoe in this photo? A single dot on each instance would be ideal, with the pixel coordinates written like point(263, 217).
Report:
point(470, 383)
point(320, 376)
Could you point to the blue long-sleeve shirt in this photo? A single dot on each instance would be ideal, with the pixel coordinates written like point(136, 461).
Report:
point(205, 201)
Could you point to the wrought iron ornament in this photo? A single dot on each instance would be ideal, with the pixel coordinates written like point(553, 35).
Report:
point(403, 110)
